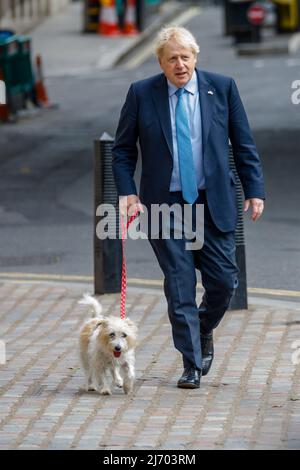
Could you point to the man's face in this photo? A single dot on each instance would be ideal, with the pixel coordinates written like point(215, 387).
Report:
point(178, 63)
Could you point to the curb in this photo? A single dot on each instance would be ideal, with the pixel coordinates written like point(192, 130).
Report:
point(250, 50)
point(289, 47)
point(256, 296)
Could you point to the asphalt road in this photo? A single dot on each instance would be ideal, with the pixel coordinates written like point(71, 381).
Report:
point(46, 174)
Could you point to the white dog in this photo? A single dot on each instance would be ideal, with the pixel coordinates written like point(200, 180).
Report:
point(107, 347)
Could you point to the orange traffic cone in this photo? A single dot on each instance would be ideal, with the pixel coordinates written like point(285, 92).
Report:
point(130, 18)
point(4, 110)
point(40, 89)
point(108, 21)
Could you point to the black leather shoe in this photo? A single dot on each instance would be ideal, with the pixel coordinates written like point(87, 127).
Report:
point(190, 378)
point(207, 348)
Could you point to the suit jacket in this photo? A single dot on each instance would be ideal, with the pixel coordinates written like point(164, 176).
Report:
point(145, 116)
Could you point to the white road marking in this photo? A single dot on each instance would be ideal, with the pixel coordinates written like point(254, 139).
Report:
point(146, 51)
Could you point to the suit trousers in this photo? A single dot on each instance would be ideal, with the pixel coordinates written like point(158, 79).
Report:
point(217, 264)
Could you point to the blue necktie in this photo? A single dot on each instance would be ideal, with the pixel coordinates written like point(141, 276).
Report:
point(185, 152)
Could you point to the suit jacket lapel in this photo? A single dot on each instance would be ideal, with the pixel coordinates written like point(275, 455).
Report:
point(161, 100)
point(207, 96)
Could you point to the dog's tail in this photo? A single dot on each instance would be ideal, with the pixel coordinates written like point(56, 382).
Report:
point(89, 300)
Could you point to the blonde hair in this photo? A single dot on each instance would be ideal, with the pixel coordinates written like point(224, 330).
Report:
point(182, 36)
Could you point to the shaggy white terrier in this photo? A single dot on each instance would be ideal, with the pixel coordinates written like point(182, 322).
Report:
point(107, 346)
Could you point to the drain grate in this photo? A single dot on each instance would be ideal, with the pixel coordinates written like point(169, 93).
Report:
point(31, 260)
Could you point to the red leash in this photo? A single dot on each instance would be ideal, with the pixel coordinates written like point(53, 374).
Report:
point(124, 282)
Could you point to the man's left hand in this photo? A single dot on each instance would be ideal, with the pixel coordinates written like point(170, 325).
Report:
point(257, 207)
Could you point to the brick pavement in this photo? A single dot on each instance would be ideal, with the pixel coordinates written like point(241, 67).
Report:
point(250, 399)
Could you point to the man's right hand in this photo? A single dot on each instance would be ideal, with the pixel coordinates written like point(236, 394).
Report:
point(129, 204)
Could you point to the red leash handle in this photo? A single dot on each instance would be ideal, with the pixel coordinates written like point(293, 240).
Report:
point(124, 281)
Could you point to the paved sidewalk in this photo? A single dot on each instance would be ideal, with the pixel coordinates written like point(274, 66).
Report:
point(250, 399)
point(67, 51)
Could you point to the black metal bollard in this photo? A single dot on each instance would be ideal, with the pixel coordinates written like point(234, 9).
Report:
point(107, 252)
point(140, 14)
point(239, 299)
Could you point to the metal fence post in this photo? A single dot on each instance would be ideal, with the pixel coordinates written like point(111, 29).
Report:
point(107, 252)
point(239, 299)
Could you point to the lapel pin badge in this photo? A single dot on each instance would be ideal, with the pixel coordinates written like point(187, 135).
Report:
point(210, 92)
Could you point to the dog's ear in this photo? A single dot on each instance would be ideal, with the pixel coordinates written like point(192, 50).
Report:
point(103, 322)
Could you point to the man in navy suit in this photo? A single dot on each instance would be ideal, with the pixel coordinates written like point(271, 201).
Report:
point(183, 119)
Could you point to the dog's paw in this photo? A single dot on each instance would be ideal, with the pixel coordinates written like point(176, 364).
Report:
point(119, 383)
point(88, 387)
point(105, 391)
